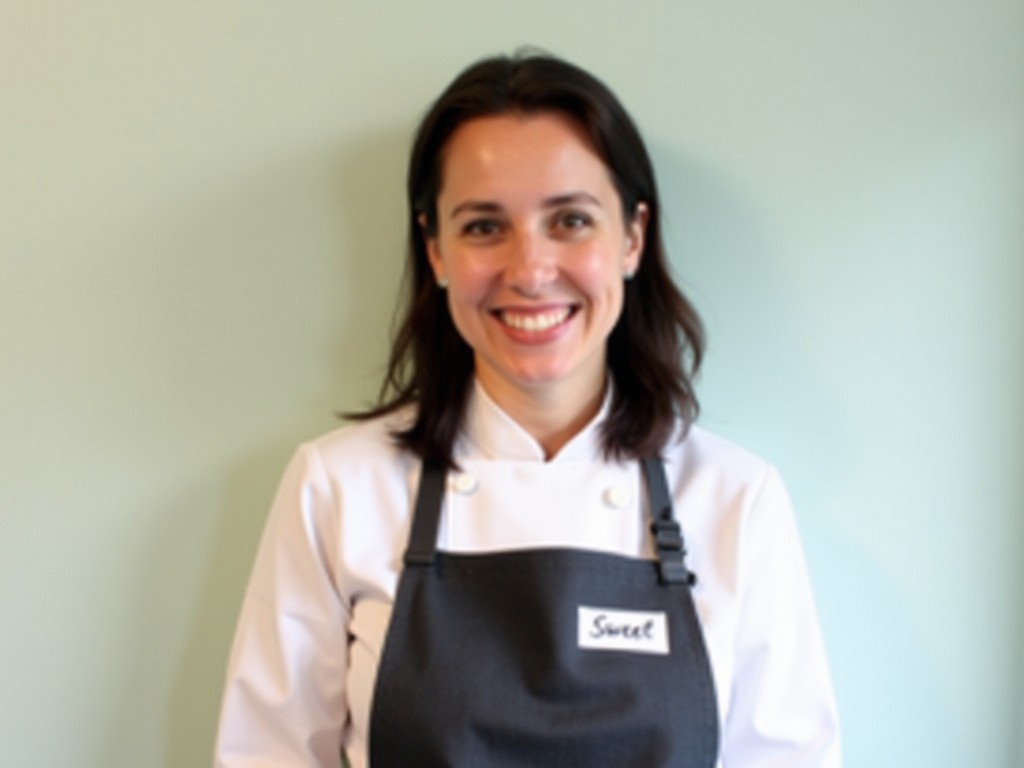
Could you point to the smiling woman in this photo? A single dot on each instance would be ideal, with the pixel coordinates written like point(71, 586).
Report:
point(533, 246)
point(490, 569)
point(655, 344)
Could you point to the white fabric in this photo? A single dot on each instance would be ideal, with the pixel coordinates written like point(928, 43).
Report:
point(304, 660)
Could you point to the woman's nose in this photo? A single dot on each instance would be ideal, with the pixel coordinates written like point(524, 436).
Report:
point(530, 263)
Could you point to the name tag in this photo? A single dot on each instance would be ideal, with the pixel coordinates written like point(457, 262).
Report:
point(608, 629)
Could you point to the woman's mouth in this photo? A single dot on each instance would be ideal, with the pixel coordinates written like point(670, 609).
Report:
point(534, 322)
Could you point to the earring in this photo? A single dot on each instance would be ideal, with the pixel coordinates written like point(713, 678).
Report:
point(442, 282)
point(628, 274)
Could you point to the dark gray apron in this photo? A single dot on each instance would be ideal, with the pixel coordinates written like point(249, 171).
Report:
point(483, 666)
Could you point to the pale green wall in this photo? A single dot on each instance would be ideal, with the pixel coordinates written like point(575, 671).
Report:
point(201, 226)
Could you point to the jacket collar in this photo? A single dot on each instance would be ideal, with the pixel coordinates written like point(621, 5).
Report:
point(490, 433)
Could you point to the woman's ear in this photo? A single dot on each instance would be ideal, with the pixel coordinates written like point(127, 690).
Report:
point(636, 236)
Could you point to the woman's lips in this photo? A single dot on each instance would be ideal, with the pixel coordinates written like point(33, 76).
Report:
point(536, 321)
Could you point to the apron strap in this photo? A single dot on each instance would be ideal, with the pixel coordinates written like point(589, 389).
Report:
point(426, 515)
point(668, 537)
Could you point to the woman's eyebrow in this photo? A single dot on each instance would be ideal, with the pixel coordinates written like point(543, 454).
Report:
point(475, 206)
point(484, 206)
point(571, 198)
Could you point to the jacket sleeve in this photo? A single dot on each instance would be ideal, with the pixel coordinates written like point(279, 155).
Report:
point(284, 702)
point(782, 712)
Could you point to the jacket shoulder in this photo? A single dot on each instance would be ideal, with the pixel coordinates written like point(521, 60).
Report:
point(707, 457)
point(363, 444)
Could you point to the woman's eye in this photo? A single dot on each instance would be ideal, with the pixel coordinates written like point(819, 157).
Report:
point(572, 221)
point(481, 228)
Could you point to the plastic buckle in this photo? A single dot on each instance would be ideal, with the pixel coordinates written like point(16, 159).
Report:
point(672, 570)
point(667, 535)
point(671, 555)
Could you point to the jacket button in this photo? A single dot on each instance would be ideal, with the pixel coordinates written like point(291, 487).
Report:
point(617, 496)
point(463, 483)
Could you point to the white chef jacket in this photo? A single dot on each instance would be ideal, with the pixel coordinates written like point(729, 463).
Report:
point(313, 622)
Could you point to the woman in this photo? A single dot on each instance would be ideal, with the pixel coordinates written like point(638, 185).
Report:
point(489, 569)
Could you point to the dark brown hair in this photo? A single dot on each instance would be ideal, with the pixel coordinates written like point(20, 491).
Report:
point(655, 348)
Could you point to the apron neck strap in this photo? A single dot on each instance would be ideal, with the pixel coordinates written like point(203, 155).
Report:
point(668, 536)
point(426, 515)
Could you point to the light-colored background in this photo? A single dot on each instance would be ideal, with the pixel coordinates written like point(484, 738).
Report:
point(201, 231)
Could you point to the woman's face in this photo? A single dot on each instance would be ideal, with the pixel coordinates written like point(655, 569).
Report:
point(532, 243)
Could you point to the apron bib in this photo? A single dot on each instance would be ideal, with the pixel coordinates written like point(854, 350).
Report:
point(543, 658)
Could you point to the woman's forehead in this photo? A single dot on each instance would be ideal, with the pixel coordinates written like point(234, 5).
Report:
point(539, 156)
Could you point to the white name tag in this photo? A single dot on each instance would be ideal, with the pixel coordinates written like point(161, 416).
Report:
point(609, 629)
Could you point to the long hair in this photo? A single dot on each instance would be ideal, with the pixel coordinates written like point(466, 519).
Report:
point(655, 348)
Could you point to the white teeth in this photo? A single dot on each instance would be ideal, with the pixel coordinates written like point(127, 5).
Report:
point(535, 323)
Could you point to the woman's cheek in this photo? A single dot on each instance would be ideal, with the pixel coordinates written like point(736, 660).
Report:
point(475, 276)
